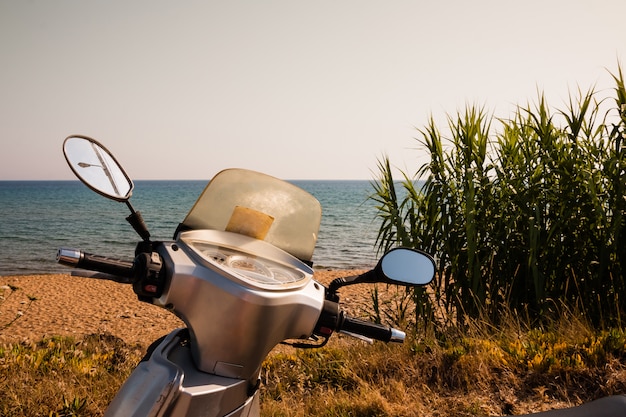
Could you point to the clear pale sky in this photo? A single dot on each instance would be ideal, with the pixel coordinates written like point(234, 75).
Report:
point(296, 89)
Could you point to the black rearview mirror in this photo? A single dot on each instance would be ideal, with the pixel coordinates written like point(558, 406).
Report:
point(96, 167)
point(399, 266)
point(406, 266)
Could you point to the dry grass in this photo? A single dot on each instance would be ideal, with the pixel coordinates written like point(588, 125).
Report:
point(63, 376)
point(480, 372)
point(477, 373)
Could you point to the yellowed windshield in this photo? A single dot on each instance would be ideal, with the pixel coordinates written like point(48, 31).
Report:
point(260, 206)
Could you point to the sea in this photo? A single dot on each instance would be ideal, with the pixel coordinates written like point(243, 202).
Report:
point(38, 217)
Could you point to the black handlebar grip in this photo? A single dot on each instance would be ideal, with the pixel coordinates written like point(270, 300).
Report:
point(80, 259)
point(372, 330)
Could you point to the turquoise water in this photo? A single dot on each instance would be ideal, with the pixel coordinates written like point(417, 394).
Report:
point(37, 217)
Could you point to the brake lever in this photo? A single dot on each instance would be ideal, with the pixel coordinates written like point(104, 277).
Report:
point(358, 336)
point(83, 273)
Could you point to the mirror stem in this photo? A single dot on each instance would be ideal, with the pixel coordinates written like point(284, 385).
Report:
point(336, 284)
point(136, 220)
point(355, 279)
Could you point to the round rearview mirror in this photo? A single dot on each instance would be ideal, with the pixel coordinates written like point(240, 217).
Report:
point(407, 266)
point(96, 167)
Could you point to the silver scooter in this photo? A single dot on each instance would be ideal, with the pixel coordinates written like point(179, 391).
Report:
point(239, 274)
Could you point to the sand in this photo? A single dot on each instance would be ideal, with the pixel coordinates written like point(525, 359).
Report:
point(42, 306)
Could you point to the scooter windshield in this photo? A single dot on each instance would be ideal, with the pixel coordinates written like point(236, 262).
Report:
point(260, 206)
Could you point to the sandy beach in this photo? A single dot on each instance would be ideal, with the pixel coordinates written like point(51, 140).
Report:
point(38, 306)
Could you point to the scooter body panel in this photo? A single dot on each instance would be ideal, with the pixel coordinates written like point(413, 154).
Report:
point(167, 383)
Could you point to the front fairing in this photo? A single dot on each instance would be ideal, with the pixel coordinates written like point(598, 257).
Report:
point(236, 316)
point(260, 206)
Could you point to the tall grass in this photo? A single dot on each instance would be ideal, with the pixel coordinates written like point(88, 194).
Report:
point(524, 215)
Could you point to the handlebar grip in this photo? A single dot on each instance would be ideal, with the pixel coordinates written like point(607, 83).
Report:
point(79, 259)
point(372, 330)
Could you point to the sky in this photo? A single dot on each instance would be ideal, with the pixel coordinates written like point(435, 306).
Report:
point(298, 90)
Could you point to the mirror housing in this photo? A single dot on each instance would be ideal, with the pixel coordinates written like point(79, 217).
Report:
point(405, 266)
point(399, 266)
point(97, 168)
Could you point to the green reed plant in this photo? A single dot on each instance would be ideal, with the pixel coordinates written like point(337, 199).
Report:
point(525, 217)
